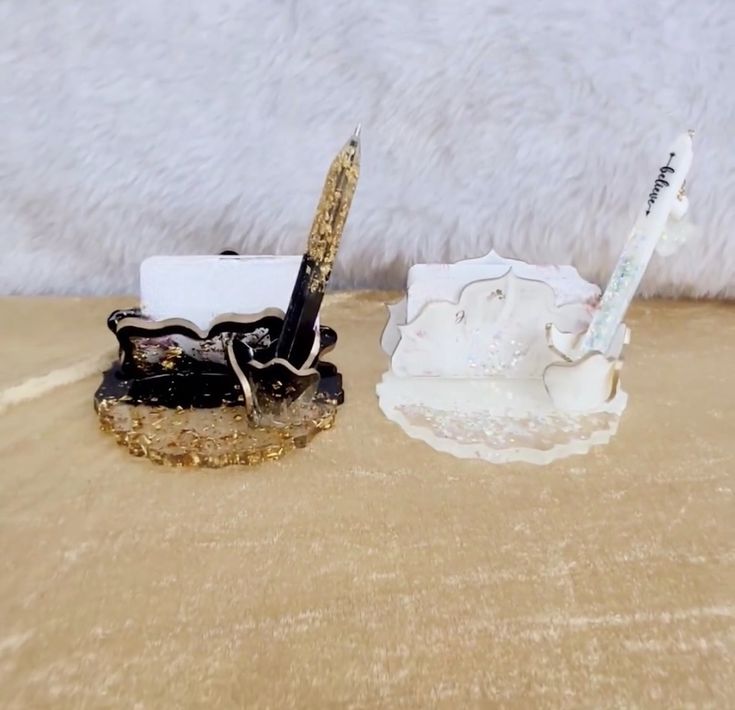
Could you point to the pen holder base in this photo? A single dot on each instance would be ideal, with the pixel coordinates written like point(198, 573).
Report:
point(184, 397)
point(497, 421)
point(482, 363)
point(213, 437)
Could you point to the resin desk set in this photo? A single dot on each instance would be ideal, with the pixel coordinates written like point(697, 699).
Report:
point(490, 358)
point(500, 360)
point(219, 366)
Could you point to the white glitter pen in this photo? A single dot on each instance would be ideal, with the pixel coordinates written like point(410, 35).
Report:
point(665, 199)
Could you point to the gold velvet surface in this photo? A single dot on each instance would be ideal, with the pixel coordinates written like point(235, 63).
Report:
point(368, 570)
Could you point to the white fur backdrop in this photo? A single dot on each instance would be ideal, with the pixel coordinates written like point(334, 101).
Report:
point(153, 127)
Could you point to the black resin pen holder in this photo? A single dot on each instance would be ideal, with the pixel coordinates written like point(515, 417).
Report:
point(184, 396)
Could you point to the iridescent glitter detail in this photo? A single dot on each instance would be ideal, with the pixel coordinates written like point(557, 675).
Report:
point(493, 350)
point(496, 328)
point(501, 432)
point(619, 293)
point(489, 355)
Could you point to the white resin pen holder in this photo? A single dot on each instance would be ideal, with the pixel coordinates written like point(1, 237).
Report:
point(484, 363)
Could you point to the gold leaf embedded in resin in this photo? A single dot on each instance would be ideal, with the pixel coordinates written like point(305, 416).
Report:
point(331, 214)
point(212, 437)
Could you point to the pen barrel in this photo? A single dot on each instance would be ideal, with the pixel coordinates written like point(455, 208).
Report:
point(619, 293)
point(331, 213)
point(297, 336)
point(638, 251)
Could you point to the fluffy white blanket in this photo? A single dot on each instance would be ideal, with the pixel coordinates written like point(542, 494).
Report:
point(148, 127)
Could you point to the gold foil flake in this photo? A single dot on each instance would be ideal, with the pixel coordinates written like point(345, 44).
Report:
point(331, 213)
point(214, 437)
point(149, 353)
point(171, 357)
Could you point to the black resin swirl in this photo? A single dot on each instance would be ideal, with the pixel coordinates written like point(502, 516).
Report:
point(155, 370)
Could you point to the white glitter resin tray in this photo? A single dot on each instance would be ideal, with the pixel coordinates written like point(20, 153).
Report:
point(485, 362)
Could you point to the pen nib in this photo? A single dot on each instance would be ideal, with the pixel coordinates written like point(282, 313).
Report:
point(354, 143)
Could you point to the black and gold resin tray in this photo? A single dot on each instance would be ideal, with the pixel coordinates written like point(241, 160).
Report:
point(182, 396)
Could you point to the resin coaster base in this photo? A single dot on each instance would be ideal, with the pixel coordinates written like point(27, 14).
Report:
point(497, 421)
point(212, 437)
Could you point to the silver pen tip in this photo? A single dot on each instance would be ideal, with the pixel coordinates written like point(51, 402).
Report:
point(356, 134)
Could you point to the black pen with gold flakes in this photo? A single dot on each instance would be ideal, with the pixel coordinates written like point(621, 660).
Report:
point(296, 343)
